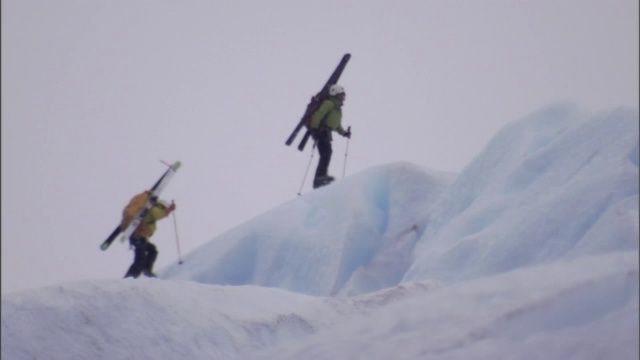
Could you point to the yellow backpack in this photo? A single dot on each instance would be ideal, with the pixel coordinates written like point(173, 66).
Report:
point(136, 203)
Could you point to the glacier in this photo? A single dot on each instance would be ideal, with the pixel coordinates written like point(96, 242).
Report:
point(531, 252)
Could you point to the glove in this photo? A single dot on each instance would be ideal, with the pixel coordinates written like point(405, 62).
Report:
point(171, 207)
point(347, 133)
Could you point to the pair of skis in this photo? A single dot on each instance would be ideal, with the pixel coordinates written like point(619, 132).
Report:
point(315, 103)
point(140, 214)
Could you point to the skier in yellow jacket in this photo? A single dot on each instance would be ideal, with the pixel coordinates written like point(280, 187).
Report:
point(145, 251)
point(326, 119)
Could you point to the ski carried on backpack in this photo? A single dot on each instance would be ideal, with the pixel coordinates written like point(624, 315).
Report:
point(315, 103)
point(140, 214)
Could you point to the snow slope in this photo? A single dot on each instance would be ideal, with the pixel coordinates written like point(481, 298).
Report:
point(314, 244)
point(581, 309)
point(530, 253)
point(557, 184)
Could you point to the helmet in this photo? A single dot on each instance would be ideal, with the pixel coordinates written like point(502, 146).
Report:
point(164, 203)
point(336, 89)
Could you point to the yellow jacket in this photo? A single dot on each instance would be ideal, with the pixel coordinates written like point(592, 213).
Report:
point(148, 225)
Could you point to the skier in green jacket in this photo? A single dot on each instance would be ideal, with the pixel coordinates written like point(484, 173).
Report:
point(326, 119)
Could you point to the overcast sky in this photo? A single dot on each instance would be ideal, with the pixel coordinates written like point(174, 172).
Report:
point(96, 93)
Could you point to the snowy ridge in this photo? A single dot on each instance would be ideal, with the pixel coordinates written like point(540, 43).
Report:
point(509, 315)
point(328, 241)
point(530, 253)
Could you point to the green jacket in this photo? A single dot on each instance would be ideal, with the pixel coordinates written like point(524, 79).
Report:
point(331, 108)
point(148, 225)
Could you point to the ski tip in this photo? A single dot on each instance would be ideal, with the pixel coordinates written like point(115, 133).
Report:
point(174, 166)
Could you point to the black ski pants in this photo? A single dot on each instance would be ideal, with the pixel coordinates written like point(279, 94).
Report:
point(145, 256)
point(323, 142)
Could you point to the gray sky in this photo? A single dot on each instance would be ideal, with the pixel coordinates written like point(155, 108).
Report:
point(96, 93)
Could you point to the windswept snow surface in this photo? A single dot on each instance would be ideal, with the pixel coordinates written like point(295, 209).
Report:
point(530, 253)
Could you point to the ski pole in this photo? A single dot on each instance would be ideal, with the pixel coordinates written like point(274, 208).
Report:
point(346, 153)
point(308, 166)
point(175, 226)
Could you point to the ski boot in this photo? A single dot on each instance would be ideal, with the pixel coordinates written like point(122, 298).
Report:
point(131, 275)
point(148, 273)
point(322, 181)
